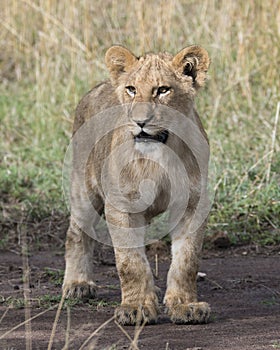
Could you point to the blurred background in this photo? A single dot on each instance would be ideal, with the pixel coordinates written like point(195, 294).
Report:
point(52, 53)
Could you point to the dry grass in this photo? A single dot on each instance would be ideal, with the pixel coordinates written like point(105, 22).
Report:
point(51, 53)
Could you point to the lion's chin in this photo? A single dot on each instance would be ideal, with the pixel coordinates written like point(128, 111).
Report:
point(152, 148)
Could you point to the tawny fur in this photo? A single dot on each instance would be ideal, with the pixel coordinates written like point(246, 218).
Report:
point(184, 74)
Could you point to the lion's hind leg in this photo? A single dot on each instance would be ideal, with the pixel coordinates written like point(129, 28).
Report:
point(80, 243)
point(79, 278)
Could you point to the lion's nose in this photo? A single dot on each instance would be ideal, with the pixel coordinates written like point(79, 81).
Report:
point(141, 124)
point(142, 113)
point(143, 121)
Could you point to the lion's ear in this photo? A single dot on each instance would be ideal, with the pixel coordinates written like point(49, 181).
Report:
point(192, 61)
point(118, 60)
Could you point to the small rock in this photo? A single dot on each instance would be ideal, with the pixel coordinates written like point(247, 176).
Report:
point(201, 276)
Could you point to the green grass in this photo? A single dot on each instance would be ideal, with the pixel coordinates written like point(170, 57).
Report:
point(248, 211)
point(54, 276)
point(32, 153)
point(271, 302)
point(51, 55)
point(276, 345)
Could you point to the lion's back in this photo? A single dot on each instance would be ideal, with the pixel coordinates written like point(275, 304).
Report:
point(98, 99)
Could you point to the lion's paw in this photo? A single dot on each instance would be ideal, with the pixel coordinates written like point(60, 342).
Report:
point(130, 315)
point(79, 290)
point(193, 313)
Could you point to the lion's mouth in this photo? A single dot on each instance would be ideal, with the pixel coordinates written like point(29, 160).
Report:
point(144, 137)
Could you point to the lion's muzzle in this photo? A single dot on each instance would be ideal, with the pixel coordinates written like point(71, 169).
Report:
point(145, 137)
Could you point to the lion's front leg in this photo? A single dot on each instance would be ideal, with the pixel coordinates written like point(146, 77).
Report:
point(139, 299)
point(181, 294)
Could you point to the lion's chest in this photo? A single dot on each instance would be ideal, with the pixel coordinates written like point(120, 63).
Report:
point(136, 184)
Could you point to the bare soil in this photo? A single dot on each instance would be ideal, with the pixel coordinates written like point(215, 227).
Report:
point(242, 286)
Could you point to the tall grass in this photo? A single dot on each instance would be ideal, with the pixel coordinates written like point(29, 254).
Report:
point(51, 53)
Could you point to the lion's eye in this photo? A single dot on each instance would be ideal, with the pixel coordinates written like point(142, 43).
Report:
point(163, 90)
point(131, 90)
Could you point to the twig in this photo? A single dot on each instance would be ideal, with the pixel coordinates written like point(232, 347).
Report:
point(271, 223)
point(26, 288)
point(156, 268)
point(275, 292)
point(56, 321)
point(5, 312)
point(57, 23)
point(138, 330)
point(134, 341)
point(215, 283)
point(14, 32)
point(23, 323)
point(273, 138)
point(95, 332)
point(67, 335)
point(245, 176)
point(124, 331)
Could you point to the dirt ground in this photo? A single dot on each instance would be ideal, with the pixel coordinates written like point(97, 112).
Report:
point(242, 286)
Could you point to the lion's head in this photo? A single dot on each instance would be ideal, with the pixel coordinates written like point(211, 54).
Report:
point(148, 83)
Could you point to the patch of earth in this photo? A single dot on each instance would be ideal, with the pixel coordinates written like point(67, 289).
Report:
point(242, 288)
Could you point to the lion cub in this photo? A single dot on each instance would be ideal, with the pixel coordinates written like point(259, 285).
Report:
point(139, 149)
